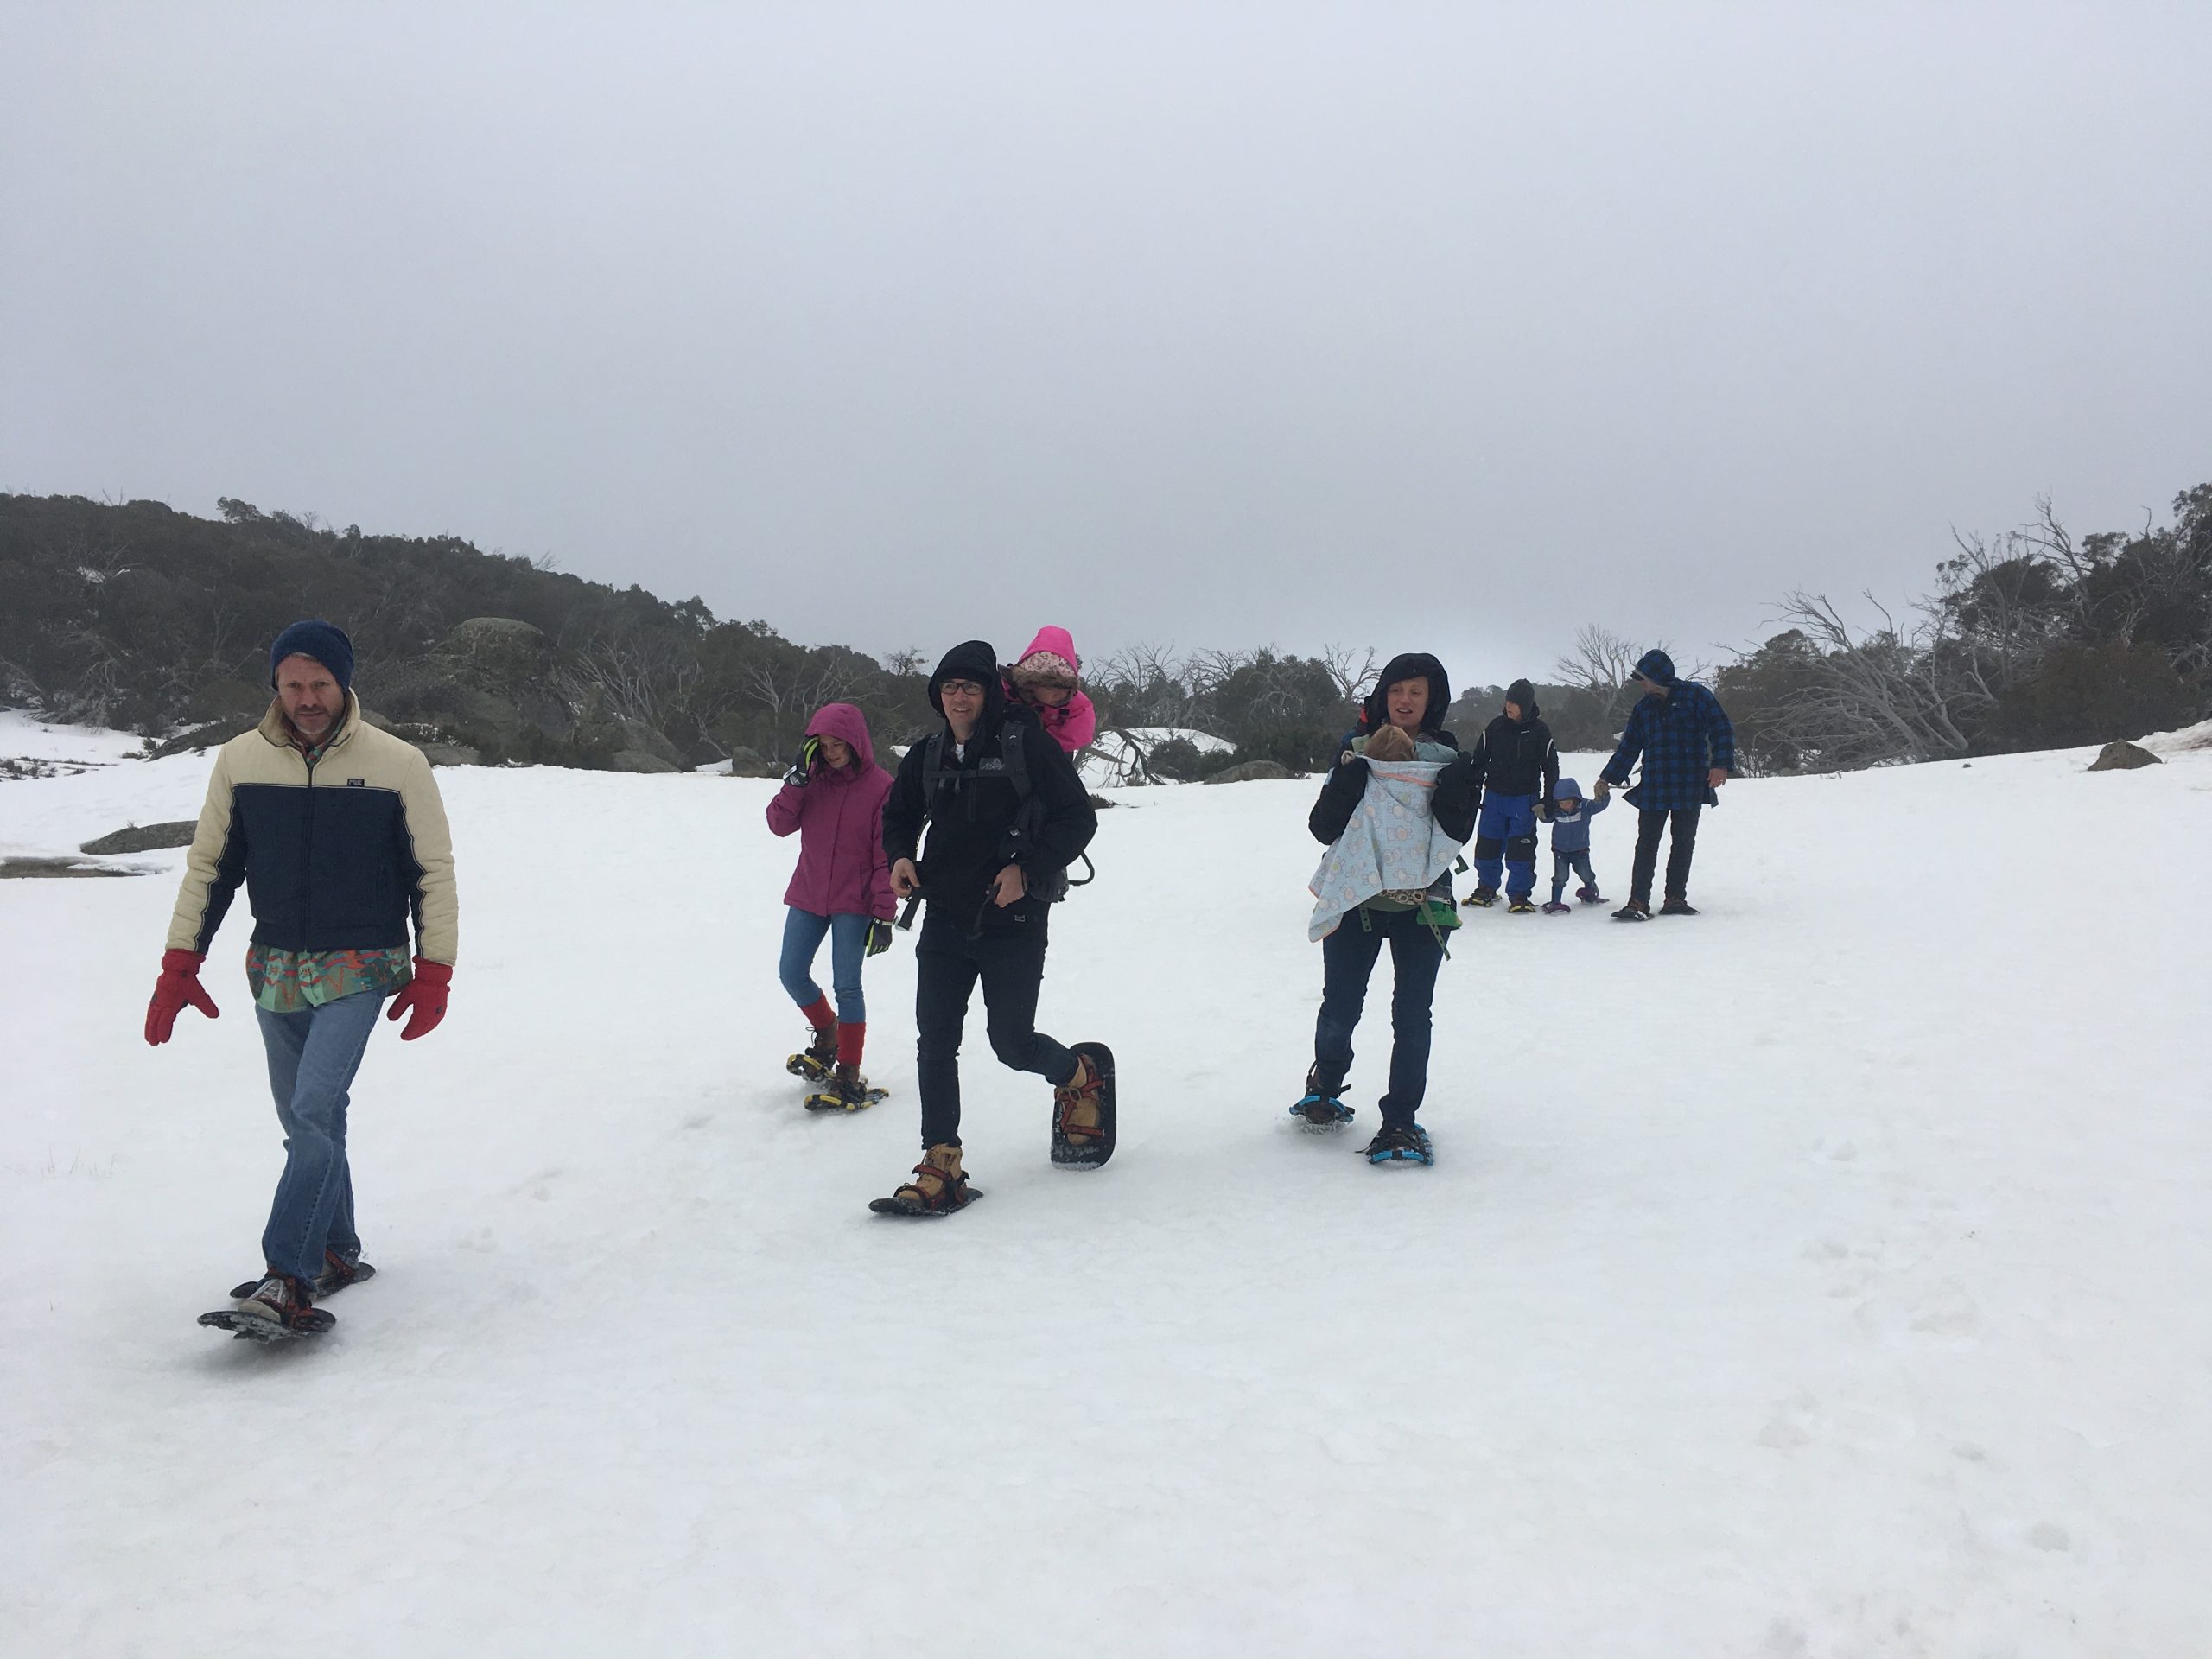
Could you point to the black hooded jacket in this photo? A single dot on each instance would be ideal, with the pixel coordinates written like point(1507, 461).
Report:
point(979, 820)
point(1459, 787)
point(1517, 757)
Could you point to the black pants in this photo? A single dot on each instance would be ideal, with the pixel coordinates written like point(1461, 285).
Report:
point(1010, 962)
point(1650, 826)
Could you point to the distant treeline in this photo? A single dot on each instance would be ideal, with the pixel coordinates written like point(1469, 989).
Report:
point(141, 617)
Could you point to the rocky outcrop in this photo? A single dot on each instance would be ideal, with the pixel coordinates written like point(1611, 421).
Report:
point(1251, 772)
point(642, 761)
point(2120, 756)
point(489, 687)
point(143, 838)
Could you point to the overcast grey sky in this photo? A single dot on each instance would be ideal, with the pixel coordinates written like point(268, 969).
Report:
point(1451, 327)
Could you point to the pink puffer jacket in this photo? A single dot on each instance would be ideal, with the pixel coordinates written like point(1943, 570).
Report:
point(1075, 722)
point(839, 818)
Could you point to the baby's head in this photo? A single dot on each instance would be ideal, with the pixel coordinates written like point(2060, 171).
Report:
point(1390, 743)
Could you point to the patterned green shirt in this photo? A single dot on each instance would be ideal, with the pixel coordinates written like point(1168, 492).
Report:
point(285, 981)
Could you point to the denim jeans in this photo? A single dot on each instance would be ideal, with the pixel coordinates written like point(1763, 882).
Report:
point(803, 931)
point(312, 1055)
point(1348, 957)
point(1576, 863)
point(948, 961)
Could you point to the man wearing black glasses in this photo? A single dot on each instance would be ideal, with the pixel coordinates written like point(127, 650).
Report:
point(1007, 816)
point(1688, 749)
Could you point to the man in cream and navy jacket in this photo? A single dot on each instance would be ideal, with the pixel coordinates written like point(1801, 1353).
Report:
point(337, 831)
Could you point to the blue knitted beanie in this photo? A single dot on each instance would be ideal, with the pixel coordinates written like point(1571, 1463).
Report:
point(319, 640)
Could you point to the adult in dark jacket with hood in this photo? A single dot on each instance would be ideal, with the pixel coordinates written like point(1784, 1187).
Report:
point(1688, 748)
point(998, 846)
point(1520, 767)
point(1411, 696)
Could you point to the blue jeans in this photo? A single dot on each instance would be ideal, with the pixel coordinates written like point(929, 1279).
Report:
point(1348, 957)
point(1507, 826)
point(312, 1055)
point(803, 931)
point(1577, 862)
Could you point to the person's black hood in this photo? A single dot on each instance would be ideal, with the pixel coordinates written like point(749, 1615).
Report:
point(1375, 713)
point(972, 660)
point(1522, 696)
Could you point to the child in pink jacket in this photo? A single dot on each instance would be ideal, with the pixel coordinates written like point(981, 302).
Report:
point(833, 797)
point(1047, 678)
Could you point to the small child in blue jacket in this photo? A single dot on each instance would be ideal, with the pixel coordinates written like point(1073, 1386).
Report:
point(1571, 816)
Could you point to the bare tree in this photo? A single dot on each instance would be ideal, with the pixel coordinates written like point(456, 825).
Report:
point(1354, 675)
point(1884, 696)
point(1600, 662)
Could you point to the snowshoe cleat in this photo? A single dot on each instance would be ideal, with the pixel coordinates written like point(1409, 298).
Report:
point(1522, 904)
point(848, 1091)
point(1082, 1111)
point(1677, 905)
point(1635, 911)
point(1485, 897)
point(1556, 908)
point(939, 1187)
point(337, 1273)
point(1400, 1143)
point(818, 1058)
point(280, 1308)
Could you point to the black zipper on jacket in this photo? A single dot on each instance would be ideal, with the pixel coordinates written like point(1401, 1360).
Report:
point(306, 858)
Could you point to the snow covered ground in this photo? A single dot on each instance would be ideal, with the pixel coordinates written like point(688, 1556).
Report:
point(1830, 1274)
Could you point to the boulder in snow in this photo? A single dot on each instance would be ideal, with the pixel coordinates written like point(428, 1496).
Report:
point(1250, 772)
point(143, 837)
point(2121, 756)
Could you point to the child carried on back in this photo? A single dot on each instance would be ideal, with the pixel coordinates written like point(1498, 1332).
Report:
point(1571, 816)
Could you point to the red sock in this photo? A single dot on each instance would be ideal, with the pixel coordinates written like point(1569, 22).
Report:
point(819, 1014)
point(852, 1037)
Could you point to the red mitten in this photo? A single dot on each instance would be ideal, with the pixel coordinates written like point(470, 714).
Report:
point(425, 996)
point(178, 988)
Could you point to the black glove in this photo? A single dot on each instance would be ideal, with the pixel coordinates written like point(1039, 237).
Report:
point(879, 937)
point(803, 765)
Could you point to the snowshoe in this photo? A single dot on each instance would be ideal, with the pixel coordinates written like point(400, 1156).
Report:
point(1400, 1143)
point(818, 1058)
point(277, 1310)
point(1678, 906)
point(1485, 897)
point(848, 1091)
point(1635, 911)
point(1522, 904)
point(337, 1273)
point(939, 1187)
point(1321, 1114)
point(1590, 895)
point(1556, 908)
point(1085, 1146)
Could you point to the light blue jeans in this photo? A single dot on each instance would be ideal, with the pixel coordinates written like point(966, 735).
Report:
point(803, 933)
point(312, 1055)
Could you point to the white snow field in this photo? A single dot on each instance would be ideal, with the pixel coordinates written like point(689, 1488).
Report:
point(1829, 1274)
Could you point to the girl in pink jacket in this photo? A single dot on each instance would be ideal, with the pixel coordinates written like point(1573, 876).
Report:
point(833, 797)
point(1046, 677)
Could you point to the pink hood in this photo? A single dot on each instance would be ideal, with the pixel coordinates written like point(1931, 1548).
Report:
point(839, 818)
point(1076, 721)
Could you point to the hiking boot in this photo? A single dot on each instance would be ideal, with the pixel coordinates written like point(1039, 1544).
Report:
point(1320, 1109)
point(1075, 1106)
point(1677, 905)
point(337, 1273)
point(1556, 908)
point(1522, 904)
point(1399, 1143)
point(1635, 911)
point(939, 1186)
point(847, 1092)
point(815, 1060)
point(1484, 896)
point(281, 1300)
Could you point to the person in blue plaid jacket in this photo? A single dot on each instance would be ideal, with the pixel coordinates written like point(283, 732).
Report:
point(1688, 749)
